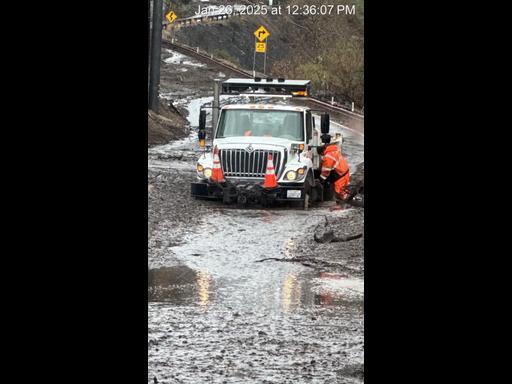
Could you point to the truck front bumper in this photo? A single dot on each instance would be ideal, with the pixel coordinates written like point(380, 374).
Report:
point(246, 193)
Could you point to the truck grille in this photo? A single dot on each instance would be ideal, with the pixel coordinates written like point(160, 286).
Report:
point(240, 163)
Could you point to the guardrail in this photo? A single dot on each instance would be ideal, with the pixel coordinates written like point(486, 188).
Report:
point(199, 19)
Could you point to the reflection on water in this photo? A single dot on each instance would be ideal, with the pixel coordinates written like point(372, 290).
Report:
point(320, 289)
point(203, 283)
point(268, 217)
point(326, 297)
point(180, 285)
point(290, 292)
point(336, 289)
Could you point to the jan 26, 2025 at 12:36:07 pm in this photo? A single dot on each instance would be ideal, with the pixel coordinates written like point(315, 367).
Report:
point(294, 10)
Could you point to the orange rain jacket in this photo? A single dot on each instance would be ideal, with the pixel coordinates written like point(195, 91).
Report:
point(333, 161)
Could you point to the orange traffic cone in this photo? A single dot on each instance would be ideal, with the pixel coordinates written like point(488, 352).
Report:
point(217, 174)
point(270, 176)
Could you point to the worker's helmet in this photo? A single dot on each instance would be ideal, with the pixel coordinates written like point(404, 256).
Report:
point(326, 138)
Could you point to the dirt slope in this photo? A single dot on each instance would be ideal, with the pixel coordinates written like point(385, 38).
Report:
point(168, 124)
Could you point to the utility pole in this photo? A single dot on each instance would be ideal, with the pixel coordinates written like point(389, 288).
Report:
point(156, 46)
point(149, 43)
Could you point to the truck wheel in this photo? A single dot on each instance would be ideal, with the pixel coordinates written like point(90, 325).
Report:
point(264, 203)
point(305, 203)
point(308, 189)
point(328, 192)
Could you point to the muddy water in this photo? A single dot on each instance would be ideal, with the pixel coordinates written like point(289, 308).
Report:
point(222, 256)
point(216, 314)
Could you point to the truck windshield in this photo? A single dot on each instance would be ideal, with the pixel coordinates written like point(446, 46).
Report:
point(268, 123)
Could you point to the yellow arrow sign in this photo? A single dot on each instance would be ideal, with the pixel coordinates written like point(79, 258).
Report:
point(171, 16)
point(261, 47)
point(261, 33)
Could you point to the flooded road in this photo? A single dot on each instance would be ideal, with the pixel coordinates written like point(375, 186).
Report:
point(216, 315)
point(216, 312)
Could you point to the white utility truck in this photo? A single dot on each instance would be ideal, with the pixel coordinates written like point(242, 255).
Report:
point(246, 134)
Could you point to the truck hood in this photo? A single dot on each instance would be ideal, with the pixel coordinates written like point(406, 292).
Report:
point(256, 142)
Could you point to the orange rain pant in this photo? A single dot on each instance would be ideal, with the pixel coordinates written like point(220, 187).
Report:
point(333, 161)
point(339, 186)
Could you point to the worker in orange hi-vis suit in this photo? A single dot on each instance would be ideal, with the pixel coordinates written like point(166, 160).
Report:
point(335, 169)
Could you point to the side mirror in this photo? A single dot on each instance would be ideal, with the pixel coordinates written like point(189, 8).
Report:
point(202, 126)
point(202, 138)
point(299, 148)
point(202, 120)
point(324, 123)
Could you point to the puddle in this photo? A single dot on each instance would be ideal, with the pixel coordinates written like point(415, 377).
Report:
point(288, 287)
point(180, 285)
point(336, 289)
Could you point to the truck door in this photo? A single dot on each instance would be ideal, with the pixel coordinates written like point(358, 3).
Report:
point(309, 127)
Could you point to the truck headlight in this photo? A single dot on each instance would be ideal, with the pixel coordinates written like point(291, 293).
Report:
point(291, 175)
point(199, 168)
point(207, 172)
point(295, 175)
point(301, 173)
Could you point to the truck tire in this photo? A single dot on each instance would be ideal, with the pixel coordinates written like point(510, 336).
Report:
point(265, 203)
point(328, 192)
point(305, 202)
point(308, 189)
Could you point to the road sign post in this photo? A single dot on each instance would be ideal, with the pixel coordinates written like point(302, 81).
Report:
point(260, 46)
point(254, 59)
point(265, 56)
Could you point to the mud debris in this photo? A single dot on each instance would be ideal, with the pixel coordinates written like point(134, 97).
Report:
point(168, 124)
point(325, 232)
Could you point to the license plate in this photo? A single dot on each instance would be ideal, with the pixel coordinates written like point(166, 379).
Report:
point(293, 194)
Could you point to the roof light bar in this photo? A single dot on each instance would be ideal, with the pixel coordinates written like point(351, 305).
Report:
point(270, 86)
point(265, 95)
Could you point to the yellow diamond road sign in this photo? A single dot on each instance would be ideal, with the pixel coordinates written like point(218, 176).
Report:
point(261, 47)
point(171, 16)
point(261, 33)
